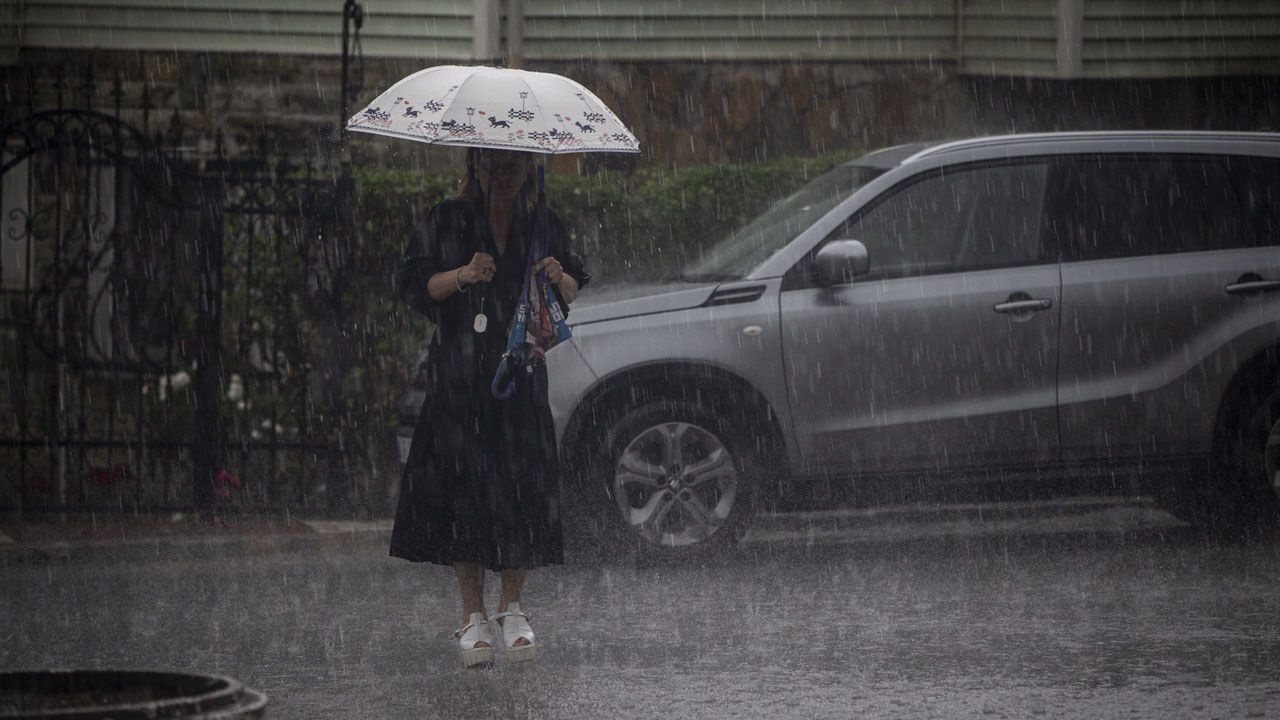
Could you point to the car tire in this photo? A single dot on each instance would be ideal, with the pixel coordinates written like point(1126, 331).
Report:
point(674, 479)
point(1242, 499)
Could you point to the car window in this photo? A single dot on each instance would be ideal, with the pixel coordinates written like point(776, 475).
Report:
point(1109, 207)
point(1002, 225)
point(747, 247)
point(954, 220)
point(1257, 184)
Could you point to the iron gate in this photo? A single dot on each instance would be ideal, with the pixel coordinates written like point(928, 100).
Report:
point(171, 328)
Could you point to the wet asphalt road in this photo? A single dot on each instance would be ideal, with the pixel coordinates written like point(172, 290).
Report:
point(1122, 623)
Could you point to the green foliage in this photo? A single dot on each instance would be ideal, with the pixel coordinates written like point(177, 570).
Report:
point(629, 226)
point(651, 222)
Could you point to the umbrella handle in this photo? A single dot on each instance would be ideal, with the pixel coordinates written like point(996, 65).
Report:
point(504, 370)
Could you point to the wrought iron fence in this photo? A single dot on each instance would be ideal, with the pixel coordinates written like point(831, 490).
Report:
point(172, 323)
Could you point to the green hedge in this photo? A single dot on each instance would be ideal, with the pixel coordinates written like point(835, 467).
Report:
point(629, 226)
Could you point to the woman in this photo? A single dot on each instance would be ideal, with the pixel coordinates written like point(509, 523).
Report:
point(480, 489)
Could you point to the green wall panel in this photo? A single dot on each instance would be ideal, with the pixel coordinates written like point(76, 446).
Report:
point(1179, 8)
point(737, 8)
point(1116, 69)
point(393, 28)
point(888, 50)
point(739, 30)
point(1172, 38)
point(1121, 38)
point(9, 32)
point(1010, 38)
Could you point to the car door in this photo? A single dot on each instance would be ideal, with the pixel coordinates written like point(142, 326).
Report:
point(1158, 251)
point(944, 355)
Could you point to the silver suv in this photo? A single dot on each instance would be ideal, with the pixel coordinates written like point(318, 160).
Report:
point(1096, 307)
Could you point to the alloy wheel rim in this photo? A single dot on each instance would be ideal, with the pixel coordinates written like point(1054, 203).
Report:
point(675, 484)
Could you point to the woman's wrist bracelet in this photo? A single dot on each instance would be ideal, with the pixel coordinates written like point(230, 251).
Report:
point(457, 281)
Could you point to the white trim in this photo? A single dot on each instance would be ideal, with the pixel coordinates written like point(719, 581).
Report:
point(457, 142)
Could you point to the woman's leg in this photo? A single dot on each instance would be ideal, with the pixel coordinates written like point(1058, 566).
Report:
point(512, 584)
point(471, 587)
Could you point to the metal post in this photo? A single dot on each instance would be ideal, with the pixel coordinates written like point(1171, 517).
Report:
point(352, 21)
point(485, 30)
point(1070, 53)
point(515, 33)
point(207, 443)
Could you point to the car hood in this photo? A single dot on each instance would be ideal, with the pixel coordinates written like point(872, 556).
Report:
point(620, 301)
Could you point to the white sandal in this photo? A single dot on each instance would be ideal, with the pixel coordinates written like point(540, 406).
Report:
point(473, 633)
point(514, 625)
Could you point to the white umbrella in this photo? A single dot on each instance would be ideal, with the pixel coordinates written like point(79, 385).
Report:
point(478, 106)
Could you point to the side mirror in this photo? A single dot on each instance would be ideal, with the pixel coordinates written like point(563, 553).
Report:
point(841, 261)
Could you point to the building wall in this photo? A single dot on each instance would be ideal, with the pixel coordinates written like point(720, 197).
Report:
point(682, 112)
point(1180, 38)
point(1022, 38)
point(437, 29)
point(10, 36)
point(698, 81)
point(1009, 38)
point(619, 30)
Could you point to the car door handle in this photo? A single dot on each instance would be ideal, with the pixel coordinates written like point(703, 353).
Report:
point(1252, 287)
point(1013, 307)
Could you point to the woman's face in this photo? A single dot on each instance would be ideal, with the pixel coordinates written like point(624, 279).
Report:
point(502, 172)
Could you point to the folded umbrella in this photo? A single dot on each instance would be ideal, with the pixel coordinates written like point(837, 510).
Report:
point(539, 323)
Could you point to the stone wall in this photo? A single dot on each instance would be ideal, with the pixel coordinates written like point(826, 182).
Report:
point(683, 112)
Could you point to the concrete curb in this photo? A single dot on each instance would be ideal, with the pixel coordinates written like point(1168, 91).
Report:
point(1114, 521)
point(916, 522)
point(804, 529)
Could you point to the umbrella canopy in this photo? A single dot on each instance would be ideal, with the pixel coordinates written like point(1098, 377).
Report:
point(487, 107)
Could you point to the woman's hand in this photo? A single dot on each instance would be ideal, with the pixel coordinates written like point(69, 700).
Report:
point(556, 274)
point(443, 284)
point(553, 268)
point(480, 269)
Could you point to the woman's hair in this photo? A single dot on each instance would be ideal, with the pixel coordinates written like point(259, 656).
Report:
point(470, 188)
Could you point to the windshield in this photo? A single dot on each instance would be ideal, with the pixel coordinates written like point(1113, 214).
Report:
point(747, 247)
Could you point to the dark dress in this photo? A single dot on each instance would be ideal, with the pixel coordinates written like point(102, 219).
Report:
point(481, 482)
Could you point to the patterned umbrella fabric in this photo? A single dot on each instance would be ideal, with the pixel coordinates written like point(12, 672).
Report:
point(478, 106)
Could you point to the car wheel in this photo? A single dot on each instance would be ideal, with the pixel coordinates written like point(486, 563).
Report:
point(1255, 459)
point(677, 479)
point(1244, 500)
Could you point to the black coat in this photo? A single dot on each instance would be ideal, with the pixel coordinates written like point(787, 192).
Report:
point(481, 483)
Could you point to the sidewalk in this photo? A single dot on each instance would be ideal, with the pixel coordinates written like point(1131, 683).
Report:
point(131, 538)
point(127, 538)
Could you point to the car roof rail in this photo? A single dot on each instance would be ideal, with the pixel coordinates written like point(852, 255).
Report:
point(956, 146)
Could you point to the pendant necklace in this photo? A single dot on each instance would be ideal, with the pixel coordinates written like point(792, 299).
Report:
point(481, 321)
